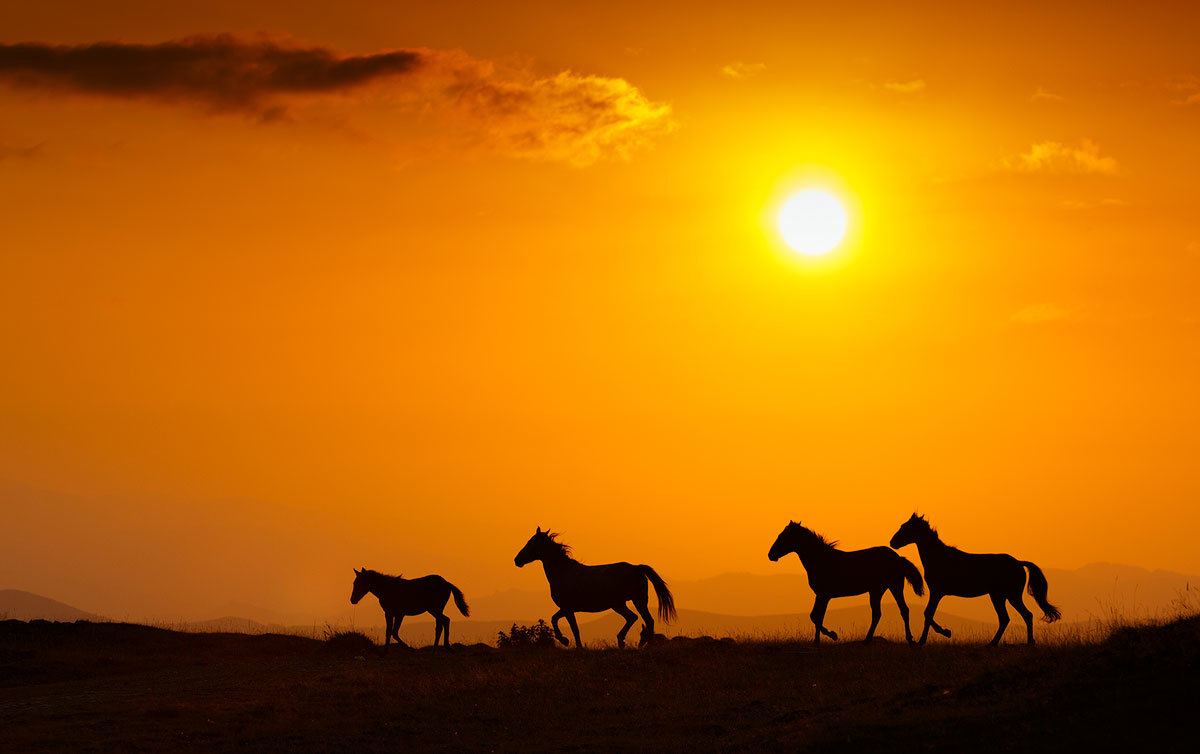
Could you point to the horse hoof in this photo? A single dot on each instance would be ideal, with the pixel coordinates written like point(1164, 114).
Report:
point(563, 640)
point(833, 635)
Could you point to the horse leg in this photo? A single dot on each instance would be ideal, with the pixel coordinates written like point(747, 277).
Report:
point(898, 593)
point(818, 617)
point(446, 629)
point(930, 609)
point(396, 630)
point(387, 630)
point(876, 612)
point(630, 618)
point(574, 629)
point(1026, 613)
point(1001, 615)
point(438, 618)
point(643, 607)
point(557, 633)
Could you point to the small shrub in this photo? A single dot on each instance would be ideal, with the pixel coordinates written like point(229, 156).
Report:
point(539, 635)
point(349, 642)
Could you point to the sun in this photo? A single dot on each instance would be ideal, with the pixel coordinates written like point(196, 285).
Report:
point(812, 222)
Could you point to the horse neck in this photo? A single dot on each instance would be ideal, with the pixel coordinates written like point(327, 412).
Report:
point(811, 554)
point(556, 565)
point(931, 546)
point(380, 584)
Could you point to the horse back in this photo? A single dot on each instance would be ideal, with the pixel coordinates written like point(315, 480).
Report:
point(416, 596)
point(969, 574)
point(845, 573)
point(594, 588)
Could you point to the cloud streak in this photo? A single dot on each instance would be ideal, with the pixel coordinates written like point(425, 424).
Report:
point(905, 87)
point(739, 69)
point(565, 117)
point(1056, 157)
point(224, 72)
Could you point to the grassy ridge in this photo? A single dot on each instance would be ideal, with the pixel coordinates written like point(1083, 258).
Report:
point(88, 686)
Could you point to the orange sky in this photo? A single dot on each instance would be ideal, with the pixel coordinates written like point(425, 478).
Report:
point(251, 341)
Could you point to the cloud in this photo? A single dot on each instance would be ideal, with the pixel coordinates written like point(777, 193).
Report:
point(1187, 88)
point(566, 117)
point(1041, 95)
point(223, 72)
point(742, 70)
point(1037, 314)
point(906, 87)
point(18, 153)
point(1056, 157)
point(570, 117)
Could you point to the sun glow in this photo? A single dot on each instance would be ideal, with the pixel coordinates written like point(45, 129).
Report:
point(812, 222)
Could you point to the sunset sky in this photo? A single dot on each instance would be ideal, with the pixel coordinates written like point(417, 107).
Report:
point(292, 287)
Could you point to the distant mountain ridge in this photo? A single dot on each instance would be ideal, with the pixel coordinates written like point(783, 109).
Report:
point(16, 604)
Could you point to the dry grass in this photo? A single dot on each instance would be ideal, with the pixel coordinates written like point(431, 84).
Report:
point(103, 686)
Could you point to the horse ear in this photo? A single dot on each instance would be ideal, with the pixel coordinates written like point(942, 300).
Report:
point(539, 530)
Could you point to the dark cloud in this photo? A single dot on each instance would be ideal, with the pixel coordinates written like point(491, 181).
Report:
point(7, 152)
point(224, 72)
point(566, 117)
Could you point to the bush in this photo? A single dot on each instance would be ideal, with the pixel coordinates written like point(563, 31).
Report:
point(349, 642)
point(539, 635)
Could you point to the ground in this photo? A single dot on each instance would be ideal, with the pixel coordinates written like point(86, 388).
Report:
point(98, 686)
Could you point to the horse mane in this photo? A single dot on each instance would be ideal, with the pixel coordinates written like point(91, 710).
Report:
point(366, 571)
point(812, 536)
point(937, 537)
point(561, 548)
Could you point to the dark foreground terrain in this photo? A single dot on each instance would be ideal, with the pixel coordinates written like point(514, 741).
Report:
point(105, 686)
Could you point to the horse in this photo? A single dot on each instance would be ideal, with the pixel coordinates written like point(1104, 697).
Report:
point(952, 572)
point(835, 573)
point(400, 597)
point(579, 588)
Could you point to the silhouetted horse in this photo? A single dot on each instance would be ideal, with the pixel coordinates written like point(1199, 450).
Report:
point(952, 572)
point(579, 588)
point(834, 573)
point(400, 597)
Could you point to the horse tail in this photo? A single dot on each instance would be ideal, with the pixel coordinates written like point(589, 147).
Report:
point(913, 575)
point(459, 601)
point(1037, 589)
point(666, 603)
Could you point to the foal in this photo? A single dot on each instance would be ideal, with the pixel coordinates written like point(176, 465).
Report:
point(834, 573)
point(400, 597)
point(952, 572)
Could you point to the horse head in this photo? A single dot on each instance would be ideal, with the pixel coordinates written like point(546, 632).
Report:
point(362, 585)
point(910, 532)
point(785, 543)
point(539, 546)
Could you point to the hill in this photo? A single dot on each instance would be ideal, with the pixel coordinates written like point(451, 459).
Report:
point(19, 605)
point(75, 686)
